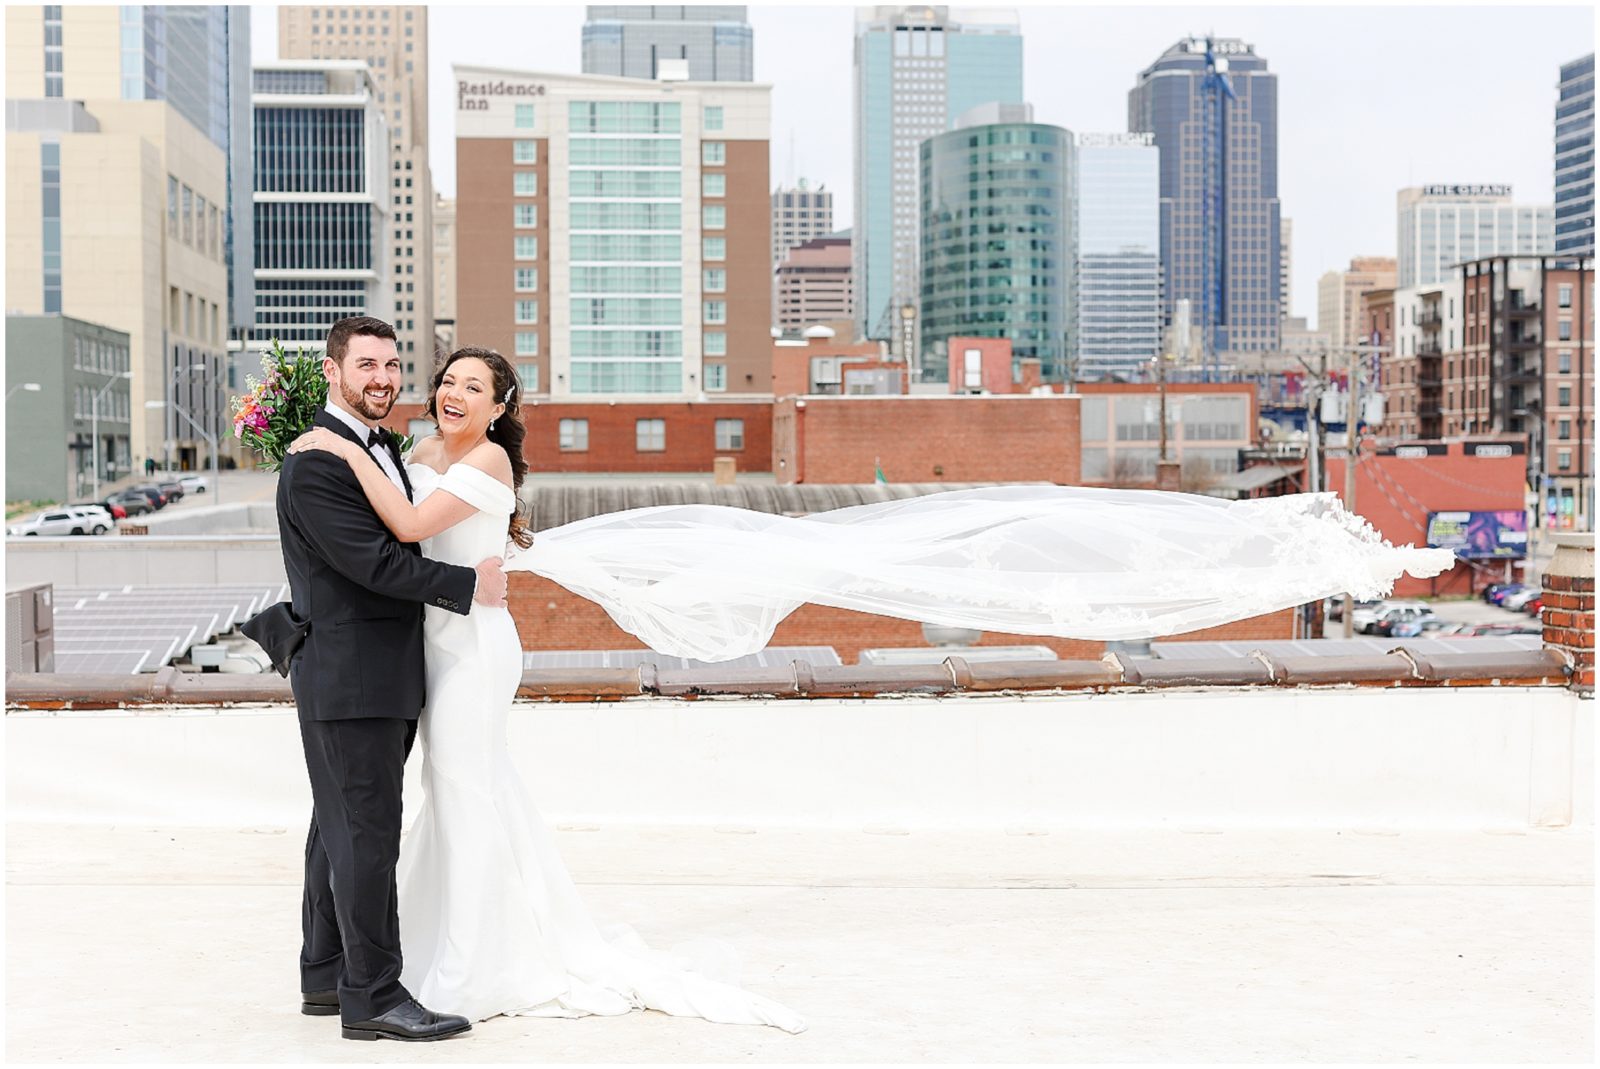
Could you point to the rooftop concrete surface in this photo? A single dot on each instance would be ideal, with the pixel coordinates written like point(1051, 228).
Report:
point(179, 944)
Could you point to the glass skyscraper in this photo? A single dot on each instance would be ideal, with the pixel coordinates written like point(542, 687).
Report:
point(1119, 255)
point(916, 70)
point(997, 240)
point(321, 176)
point(198, 60)
point(631, 40)
point(1169, 101)
point(1574, 217)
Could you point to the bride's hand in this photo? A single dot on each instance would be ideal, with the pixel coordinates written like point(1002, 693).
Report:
point(324, 439)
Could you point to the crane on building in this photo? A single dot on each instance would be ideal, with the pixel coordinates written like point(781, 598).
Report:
point(1215, 90)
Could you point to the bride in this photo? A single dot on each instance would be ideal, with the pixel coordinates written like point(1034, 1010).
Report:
point(490, 921)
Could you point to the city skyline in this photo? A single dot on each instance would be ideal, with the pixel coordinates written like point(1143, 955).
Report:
point(1413, 54)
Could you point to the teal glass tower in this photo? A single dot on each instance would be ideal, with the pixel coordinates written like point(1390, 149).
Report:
point(916, 69)
point(998, 242)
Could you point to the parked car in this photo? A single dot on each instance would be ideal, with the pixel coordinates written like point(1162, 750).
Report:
point(57, 521)
point(132, 502)
point(1516, 601)
point(100, 518)
point(1534, 606)
point(172, 488)
point(1504, 591)
point(195, 484)
point(157, 496)
point(1395, 613)
point(1336, 608)
point(112, 511)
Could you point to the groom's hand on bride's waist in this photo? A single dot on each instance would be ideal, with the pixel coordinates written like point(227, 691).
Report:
point(491, 589)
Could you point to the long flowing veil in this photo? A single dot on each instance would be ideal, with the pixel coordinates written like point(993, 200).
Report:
point(712, 582)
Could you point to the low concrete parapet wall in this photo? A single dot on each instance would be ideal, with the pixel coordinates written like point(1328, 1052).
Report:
point(1502, 758)
point(149, 560)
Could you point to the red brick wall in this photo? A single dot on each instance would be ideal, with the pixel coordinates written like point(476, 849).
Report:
point(995, 360)
point(691, 435)
point(549, 617)
point(791, 364)
point(1395, 494)
point(927, 439)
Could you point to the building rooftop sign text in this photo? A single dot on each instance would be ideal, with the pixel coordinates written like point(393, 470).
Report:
point(1115, 140)
point(474, 96)
point(1466, 191)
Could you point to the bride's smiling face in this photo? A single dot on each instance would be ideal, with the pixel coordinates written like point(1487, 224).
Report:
point(465, 401)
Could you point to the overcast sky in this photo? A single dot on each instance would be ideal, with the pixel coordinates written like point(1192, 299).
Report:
point(1370, 98)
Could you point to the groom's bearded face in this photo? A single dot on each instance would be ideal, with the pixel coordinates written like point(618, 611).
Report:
point(369, 379)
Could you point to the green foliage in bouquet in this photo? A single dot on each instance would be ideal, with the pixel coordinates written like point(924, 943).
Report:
point(279, 408)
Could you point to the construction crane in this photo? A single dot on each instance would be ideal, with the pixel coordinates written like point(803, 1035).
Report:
point(1216, 90)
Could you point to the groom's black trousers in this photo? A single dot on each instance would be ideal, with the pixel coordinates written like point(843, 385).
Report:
point(349, 915)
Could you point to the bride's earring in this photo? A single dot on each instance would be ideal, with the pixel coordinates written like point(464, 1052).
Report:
point(491, 425)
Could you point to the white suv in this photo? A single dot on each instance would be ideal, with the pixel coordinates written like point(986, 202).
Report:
point(63, 521)
point(195, 484)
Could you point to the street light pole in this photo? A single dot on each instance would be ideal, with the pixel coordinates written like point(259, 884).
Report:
point(31, 387)
point(94, 431)
point(205, 436)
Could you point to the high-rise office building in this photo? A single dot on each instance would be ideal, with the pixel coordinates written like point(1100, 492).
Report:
point(1339, 297)
point(1574, 215)
point(1119, 255)
point(813, 283)
point(321, 201)
point(1170, 101)
point(620, 232)
point(197, 58)
point(393, 42)
point(799, 215)
point(698, 42)
point(1285, 263)
point(444, 272)
point(1441, 226)
point(997, 240)
point(916, 70)
point(118, 206)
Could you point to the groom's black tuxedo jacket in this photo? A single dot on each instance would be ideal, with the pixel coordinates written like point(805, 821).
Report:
point(359, 591)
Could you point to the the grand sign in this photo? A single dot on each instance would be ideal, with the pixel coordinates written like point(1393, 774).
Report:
point(474, 96)
point(1466, 191)
point(1114, 140)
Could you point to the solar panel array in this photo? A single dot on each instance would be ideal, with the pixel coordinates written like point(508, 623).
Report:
point(126, 630)
point(772, 657)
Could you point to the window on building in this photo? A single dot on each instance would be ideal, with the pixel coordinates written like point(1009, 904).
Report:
point(716, 375)
point(1563, 429)
point(1564, 330)
point(1564, 396)
point(649, 435)
point(525, 152)
point(713, 119)
point(525, 247)
point(525, 183)
point(527, 215)
point(730, 434)
point(527, 312)
point(714, 311)
point(1563, 459)
point(523, 117)
point(527, 343)
point(527, 279)
point(714, 184)
point(1564, 361)
point(715, 344)
point(1564, 296)
point(716, 280)
point(714, 217)
point(714, 248)
point(713, 153)
point(573, 436)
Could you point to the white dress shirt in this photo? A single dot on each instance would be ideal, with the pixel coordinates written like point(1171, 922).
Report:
point(378, 452)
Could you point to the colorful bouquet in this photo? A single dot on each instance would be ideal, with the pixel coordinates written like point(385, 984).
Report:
point(279, 408)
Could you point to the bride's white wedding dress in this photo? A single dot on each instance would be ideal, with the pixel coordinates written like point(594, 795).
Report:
point(490, 921)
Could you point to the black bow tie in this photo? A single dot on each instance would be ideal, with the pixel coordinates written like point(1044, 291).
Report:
point(377, 437)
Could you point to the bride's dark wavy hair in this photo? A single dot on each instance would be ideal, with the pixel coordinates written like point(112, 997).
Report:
point(507, 430)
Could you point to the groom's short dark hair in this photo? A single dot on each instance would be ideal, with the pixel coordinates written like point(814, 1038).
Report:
point(351, 327)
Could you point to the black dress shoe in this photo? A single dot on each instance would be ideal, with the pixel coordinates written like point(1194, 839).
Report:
point(319, 1003)
point(409, 1021)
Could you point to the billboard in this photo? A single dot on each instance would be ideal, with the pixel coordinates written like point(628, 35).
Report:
point(1480, 534)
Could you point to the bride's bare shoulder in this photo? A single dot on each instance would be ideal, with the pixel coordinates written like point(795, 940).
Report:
point(491, 458)
point(426, 451)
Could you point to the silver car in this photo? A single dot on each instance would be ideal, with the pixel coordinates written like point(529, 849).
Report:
point(62, 521)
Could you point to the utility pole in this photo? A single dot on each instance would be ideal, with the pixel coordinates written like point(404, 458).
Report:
point(1352, 420)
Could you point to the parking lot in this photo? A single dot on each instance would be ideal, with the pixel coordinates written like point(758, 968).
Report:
point(1455, 611)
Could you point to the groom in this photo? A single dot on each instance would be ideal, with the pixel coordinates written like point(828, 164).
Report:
point(359, 683)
